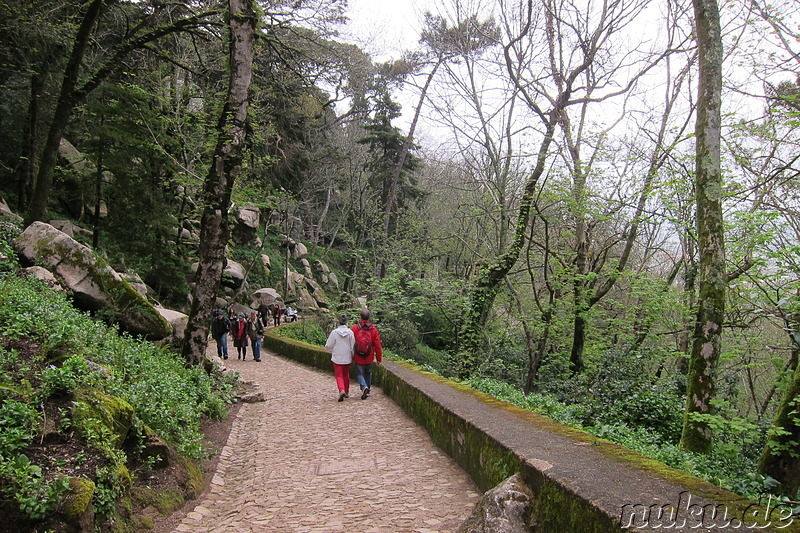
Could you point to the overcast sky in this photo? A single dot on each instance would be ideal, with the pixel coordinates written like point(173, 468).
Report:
point(386, 27)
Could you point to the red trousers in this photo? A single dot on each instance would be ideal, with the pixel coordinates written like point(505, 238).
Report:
point(342, 373)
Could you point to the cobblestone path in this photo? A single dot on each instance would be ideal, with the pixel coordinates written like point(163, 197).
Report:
point(303, 462)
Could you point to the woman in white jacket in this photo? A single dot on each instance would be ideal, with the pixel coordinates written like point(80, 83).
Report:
point(341, 343)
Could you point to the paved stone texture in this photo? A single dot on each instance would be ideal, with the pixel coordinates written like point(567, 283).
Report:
point(303, 462)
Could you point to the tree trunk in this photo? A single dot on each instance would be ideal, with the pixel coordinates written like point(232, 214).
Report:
point(65, 104)
point(713, 281)
point(481, 295)
point(28, 171)
point(401, 157)
point(226, 164)
point(781, 456)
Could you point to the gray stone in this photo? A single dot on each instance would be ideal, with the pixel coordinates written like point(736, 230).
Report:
point(4, 209)
point(135, 281)
point(266, 295)
point(321, 267)
point(306, 267)
point(44, 275)
point(233, 275)
point(253, 398)
point(299, 250)
point(507, 508)
point(69, 228)
point(177, 321)
point(95, 285)
point(247, 219)
point(306, 300)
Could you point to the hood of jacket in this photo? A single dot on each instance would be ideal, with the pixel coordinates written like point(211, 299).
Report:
point(342, 331)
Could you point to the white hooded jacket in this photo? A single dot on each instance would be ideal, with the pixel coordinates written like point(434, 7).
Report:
point(341, 343)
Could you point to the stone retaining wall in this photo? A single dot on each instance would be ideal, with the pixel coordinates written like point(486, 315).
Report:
point(581, 483)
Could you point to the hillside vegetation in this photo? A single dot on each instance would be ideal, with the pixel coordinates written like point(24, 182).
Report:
point(95, 426)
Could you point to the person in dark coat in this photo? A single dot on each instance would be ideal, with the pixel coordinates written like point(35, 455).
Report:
point(220, 326)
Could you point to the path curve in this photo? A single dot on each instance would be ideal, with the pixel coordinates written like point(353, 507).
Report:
point(303, 462)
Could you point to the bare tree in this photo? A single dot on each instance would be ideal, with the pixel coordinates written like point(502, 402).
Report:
point(557, 58)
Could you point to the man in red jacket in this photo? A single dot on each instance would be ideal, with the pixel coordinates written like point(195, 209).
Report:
point(368, 349)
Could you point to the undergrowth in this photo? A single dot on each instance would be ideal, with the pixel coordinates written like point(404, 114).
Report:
point(48, 351)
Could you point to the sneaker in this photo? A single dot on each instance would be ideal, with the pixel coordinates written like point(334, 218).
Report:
point(342, 396)
point(258, 360)
point(365, 394)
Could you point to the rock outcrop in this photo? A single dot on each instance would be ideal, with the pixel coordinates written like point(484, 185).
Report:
point(507, 507)
point(245, 227)
point(233, 275)
point(95, 285)
point(267, 296)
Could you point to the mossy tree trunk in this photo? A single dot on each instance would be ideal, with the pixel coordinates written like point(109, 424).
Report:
point(485, 287)
point(781, 456)
point(712, 280)
point(227, 162)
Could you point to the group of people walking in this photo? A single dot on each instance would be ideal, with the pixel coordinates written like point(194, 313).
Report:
point(361, 345)
point(242, 330)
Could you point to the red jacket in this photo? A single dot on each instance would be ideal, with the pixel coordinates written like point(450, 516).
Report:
point(377, 350)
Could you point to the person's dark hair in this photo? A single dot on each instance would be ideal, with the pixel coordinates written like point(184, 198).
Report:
point(342, 320)
point(365, 314)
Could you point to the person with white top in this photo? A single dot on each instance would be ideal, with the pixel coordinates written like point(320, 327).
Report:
point(341, 343)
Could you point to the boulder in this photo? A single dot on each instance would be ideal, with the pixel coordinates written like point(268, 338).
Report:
point(115, 414)
point(306, 267)
point(94, 284)
point(321, 267)
point(333, 282)
point(70, 229)
point(44, 275)
point(266, 263)
point(299, 250)
point(245, 227)
point(135, 281)
point(306, 300)
point(268, 295)
point(233, 275)
point(74, 159)
point(4, 209)
point(507, 507)
point(76, 504)
point(177, 321)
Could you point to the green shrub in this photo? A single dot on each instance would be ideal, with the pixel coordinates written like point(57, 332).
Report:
point(308, 331)
point(22, 482)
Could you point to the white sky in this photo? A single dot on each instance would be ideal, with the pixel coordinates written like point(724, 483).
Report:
point(386, 27)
